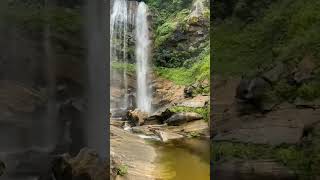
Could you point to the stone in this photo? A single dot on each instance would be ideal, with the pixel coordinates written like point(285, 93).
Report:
point(275, 73)
point(160, 116)
point(196, 102)
point(201, 127)
point(304, 69)
point(282, 126)
point(145, 130)
point(135, 153)
point(188, 91)
point(180, 118)
point(136, 117)
point(117, 123)
point(167, 136)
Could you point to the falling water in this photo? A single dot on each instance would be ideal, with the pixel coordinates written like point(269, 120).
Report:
point(118, 47)
point(198, 8)
point(142, 58)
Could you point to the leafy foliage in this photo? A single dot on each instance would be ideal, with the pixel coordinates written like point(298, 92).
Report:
point(122, 170)
point(303, 161)
point(283, 31)
point(200, 71)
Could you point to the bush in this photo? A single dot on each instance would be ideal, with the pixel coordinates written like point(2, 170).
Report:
point(122, 170)
point(309, 91)
point(281, 31)
point(199, 71)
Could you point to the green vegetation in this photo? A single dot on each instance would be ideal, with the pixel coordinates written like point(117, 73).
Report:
point(251, 37)
point(122, 170)
point(173, 23)
point(177, 41)
point(193, 134)
point(309, 91)
point(199, 71)
point(282, 31)
point(305, 162)
point(205, 111)
point(164, 9)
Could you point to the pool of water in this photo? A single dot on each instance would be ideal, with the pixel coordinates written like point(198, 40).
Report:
point(187, 159)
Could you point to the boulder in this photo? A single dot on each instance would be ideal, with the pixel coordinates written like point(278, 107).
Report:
point(180, 118)
point(160, 116)
point(304, 70)
point(167, 136)
point(275, 73)
point(136, 117)
point(188, 91)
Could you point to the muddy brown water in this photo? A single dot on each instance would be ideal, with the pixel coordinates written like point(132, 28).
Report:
point(187, 159)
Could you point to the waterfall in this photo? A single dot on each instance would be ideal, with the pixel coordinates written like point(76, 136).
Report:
point(142, 59)
point(118, 49)
point(198, 8)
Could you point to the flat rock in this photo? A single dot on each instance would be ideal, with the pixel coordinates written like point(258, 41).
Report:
point(145, 130)
point(277, 127)
point(201, 127)
point(196, 102)
point(135, 153)
point(166, 136)
point(117, 123)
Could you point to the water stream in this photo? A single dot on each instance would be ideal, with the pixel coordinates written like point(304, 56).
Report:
point(142, 58)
